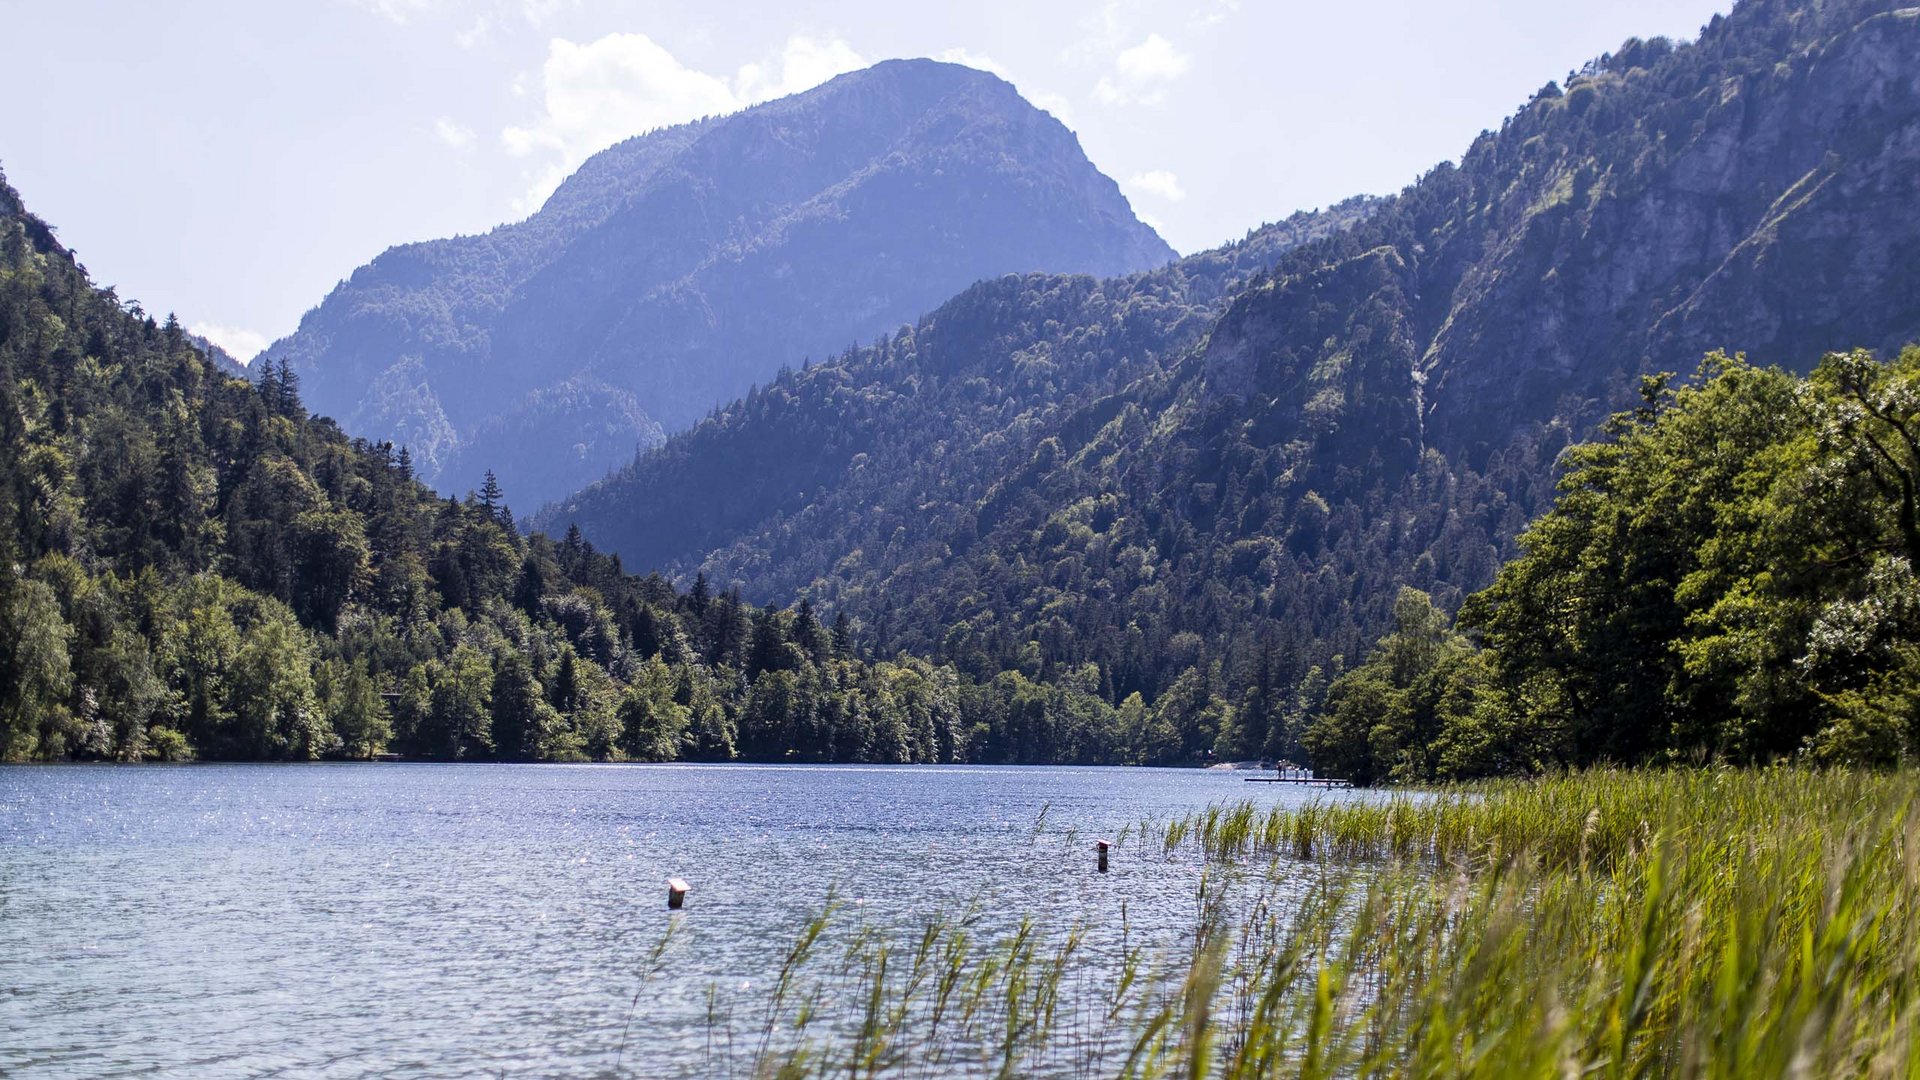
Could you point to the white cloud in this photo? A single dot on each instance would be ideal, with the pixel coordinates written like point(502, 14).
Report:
point(398, 12)
point(454, 135)
point(1220, 12)
point(1159, 182)
point(1141, 73)
point(542, 181)
point(475, 34)
point(621, 85)
point(805, 62)
point(973, 60)
point(486, 14)
point(539, 11)
point(1100, 32)
point(1057, 104)
point(606, 90)
point(1154, 58)
point(244, 344)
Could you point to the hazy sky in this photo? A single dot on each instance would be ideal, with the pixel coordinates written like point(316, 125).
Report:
point(230, 161)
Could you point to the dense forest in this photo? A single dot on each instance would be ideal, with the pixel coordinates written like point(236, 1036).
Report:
point(1728, 575)
point(1269, 500)
point(1212, 481)
point(192, 565)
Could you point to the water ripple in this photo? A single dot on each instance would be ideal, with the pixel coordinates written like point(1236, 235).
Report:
point(415, 920)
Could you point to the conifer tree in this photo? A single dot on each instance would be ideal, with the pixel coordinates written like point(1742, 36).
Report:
point(490, 494)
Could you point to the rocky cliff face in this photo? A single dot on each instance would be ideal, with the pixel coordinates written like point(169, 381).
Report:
point(1668, 202)
point(677, 269)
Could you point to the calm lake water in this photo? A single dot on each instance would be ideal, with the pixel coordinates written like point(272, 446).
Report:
point(474, 920)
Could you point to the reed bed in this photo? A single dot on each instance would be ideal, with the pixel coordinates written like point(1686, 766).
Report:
point(1590, 818)
point(1712, 923)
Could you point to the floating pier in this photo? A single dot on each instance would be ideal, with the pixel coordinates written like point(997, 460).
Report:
point(1288, 773)
point(1309, 781)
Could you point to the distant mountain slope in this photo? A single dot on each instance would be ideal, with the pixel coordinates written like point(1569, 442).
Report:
point(1041, 345)
point(1218, 509)
point(678, 268)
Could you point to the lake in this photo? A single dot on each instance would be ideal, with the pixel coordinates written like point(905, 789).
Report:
point(481, 920)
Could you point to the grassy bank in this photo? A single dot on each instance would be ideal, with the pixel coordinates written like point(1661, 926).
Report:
point(1610, 924)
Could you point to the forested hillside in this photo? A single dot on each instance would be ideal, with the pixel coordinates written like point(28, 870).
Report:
point(191, 565)
point(1218, 498)
point(945, 403)
point(676, 269)
point(1729, 574)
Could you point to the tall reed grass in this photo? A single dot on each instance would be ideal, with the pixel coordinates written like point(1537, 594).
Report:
point(1611, 924)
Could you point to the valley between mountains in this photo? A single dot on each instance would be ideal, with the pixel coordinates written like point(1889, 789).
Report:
point(870, 424)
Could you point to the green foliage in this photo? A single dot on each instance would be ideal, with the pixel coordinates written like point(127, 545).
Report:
point(653, 726)
point(39, 673)
point(1728, 574)
point(1149, 518)
point(1240, 458)
point(271, 695)
point(1702, 923)
point(192, 566)
point(353, 707)
point(965, 412)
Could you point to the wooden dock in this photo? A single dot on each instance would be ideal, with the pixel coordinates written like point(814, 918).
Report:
point(1309, 781)
point(1288, 773)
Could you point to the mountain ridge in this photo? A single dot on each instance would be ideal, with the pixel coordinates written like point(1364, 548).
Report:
point(1182, 291)
point(1381, 406)
point(676, 269)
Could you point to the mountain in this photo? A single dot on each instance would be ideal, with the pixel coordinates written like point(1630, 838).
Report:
point(679, 268)
point(1214, 498)
point(192, 565)
point(1044, 346)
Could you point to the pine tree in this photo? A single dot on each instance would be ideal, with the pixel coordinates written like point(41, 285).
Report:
point(286, 398)
point(490, 494)
point(808, 633)
point(519, 712)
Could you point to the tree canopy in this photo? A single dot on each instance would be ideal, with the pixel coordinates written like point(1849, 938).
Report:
point(1727, 575)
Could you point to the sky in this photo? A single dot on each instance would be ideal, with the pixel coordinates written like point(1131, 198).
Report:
point(231, 160)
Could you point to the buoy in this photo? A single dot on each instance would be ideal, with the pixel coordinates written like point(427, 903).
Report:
point(1101, 846)
point(677, 893)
